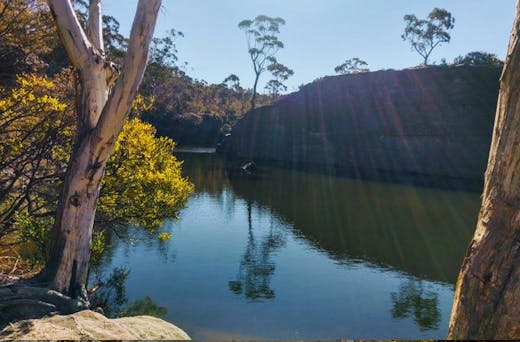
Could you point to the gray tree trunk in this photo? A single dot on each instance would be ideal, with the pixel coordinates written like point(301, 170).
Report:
point(487, 295)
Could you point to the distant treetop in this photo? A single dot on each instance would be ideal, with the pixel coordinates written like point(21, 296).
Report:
point(424, 35)
point(352, 66)
point(262, 45)
point(479, 58)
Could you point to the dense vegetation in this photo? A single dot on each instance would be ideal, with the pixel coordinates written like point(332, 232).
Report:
point(38, 95)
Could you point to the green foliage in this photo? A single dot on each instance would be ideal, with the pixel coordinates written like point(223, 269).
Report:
point(280, 73)
point(232, 82)
point(36, 129)
point(188, 110)
point(143, 182)
point(352, 66)
point(262, 44)
point(163, 51)
point(115, 42)
point(35, 234)
point(27, 32)
point(424, 35)
point(98, 245)
point(479, 58)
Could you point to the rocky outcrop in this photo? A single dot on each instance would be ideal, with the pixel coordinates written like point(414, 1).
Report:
point(93, 326)
point(428, 121)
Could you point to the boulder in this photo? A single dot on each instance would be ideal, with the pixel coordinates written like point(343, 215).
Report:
point(93, 326)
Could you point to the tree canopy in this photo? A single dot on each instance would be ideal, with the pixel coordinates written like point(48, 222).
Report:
point(352, 66)
point(479, 58)
point(424, 35)
point(280, 74)
point(262, 44)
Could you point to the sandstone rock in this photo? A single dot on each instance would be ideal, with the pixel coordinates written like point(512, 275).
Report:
point(434, 121)
point(93, 326)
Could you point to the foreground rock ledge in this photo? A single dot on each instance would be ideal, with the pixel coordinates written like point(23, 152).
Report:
point(92, 325)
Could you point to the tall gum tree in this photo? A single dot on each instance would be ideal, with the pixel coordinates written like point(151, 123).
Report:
point(262, 44)
point(105, 99)
point(487, 295)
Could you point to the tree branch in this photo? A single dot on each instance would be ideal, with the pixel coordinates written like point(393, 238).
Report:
point(72, 35)
point(134, 64)
point(95, 25)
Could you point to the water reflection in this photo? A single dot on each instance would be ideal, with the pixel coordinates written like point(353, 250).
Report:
point(413, 300)
point(110, 296)
point(291, 255)
point(256, 266)
point(421, 231)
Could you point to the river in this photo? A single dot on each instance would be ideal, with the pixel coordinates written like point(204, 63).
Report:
point(295, 255)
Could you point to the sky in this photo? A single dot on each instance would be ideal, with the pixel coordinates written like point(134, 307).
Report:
point(319, 34)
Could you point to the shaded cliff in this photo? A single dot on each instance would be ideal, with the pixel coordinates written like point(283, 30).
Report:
point(428, 121)
point(188, 129)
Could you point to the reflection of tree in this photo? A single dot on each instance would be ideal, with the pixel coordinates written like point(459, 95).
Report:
point(256, 268)
point(413, 300)
point(145, 306)
point(110, 296)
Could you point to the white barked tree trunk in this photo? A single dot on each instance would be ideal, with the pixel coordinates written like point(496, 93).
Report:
point(107, 93)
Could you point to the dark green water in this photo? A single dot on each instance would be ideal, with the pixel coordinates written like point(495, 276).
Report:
point(293, 255)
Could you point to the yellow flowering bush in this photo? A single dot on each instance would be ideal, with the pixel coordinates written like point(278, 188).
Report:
point(142, 185)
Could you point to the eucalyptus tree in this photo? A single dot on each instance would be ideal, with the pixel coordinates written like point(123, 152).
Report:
point(106, 93)
point(352, 66)
point(479, 58)
point(424, 35)
point(262, 44)
point(280, 73)
point(487, 294)
point(232, 82)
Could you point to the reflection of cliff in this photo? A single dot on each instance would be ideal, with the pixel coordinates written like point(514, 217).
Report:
point(421, 231)
point(206, 171)
point(418, 230)
point(429, 121)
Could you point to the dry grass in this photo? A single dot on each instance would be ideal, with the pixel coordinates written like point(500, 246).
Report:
point(12, 264)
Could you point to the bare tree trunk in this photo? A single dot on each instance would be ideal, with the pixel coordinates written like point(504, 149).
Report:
point(487, 295)
point(253, 99)
point(106, 98)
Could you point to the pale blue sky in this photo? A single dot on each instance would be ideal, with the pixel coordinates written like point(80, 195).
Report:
point(319, 34)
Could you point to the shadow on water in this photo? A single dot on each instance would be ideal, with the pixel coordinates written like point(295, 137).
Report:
point(295, 255)
point(421, 231)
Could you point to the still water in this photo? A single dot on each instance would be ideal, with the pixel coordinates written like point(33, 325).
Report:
point(294, 255)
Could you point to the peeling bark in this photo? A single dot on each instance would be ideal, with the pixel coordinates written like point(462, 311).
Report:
point(487, 295)
point(104, 106)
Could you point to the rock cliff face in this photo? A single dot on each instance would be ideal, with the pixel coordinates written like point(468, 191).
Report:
point(430, 121)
